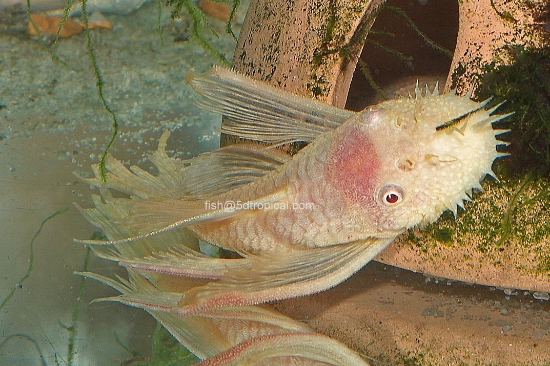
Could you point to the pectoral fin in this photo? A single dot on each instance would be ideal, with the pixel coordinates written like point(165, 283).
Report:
point(183, 262)
point(109, 212)
point(175, 197)
point(284, 275)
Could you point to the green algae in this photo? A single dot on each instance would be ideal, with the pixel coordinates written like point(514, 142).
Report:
point(512, 218)
point(73, 328)
point(167, 351)
point(336, 46)
point(30, 266)
point(444, 234)
point(199, 22)
point(525, 85)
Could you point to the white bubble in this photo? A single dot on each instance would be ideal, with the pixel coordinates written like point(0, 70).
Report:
point(541, 295)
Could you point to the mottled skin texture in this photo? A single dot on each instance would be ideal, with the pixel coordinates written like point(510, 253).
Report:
point(334, 180)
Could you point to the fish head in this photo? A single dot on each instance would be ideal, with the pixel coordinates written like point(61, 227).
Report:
point(403, 162)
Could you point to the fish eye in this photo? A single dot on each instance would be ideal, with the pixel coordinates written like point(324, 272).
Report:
point(391, 194)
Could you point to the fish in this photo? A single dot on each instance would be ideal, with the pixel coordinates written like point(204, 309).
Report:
point(299, 224)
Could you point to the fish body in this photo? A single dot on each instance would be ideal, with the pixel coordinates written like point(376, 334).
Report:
point(381, 171)
point(312, 200)
point(300, 224)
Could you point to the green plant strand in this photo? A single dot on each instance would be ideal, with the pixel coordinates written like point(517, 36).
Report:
point(506, 223)
point(99, 85)
point(30, 339)
point(39, 35)
point(31, 256)
point(136, 355)
point(402, 57)
point(377, 32)
point(76, 311)
point(64, 17)
point(199, 20)
point(159, 24)
point(506, 15)
point(229, 26)
point(399, 12)
point(368, 75)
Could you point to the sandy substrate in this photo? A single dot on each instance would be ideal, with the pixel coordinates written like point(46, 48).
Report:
point(398, 318)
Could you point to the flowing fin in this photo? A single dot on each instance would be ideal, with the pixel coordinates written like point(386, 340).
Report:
point(151, 217)
point(106, 216)
point(183, 262)
point(288, 349)
point(179, 195)
point(284, 275)
point(200, 337)
point(225, 329)
point(261, 112)
point(174, 252)
point(207, 174)
point(226, 168)
point(136, 182)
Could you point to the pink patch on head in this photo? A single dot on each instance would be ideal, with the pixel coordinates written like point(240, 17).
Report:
point(353, 164)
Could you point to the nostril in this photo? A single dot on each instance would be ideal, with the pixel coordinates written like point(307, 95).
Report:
point(406, 164)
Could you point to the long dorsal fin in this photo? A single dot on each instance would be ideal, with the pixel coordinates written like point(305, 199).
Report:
point(224, 169)
point(261, 112)
point(208, 174)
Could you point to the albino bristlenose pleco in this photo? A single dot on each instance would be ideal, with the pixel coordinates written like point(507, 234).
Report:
point(300, 224)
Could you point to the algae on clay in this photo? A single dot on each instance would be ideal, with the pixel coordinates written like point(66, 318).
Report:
point(510, 217)
point(525, 86)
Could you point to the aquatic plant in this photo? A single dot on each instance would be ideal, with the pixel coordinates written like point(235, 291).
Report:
point(525, 85)
point(31, 257)
point(200, 21)
point(166, 351)
point(72, 329)
point(403, 16)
